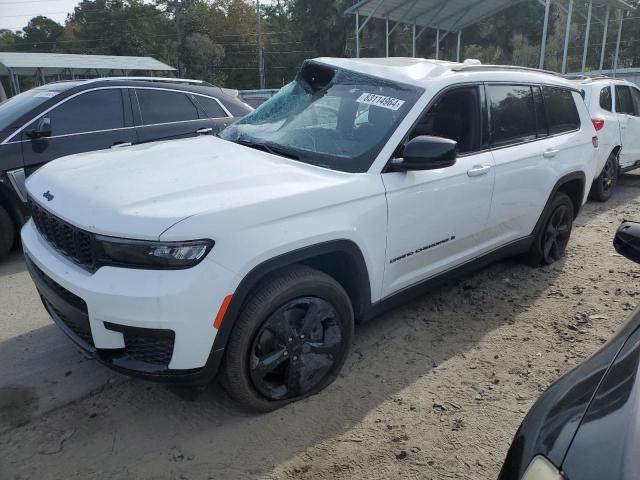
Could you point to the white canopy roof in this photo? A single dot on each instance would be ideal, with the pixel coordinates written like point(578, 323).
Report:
point(53, 63)
point(450, 15)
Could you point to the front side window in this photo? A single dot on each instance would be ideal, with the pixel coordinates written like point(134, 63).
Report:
point(164, 106)
point(624, 102)
point(635, 96)
point(513, 114)
point(88, 112)
point(456, 116)
point(562, 112)
point(328, 117)
point(606, 102)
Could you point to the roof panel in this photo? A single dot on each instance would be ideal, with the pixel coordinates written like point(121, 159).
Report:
point(60, 61)
point(444, 14)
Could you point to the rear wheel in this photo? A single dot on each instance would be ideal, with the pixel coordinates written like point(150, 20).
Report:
point(7, 232)
point(605, 183)
point(551, 241)
point(290, 341)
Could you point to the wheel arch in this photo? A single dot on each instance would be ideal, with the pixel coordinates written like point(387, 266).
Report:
point(341, 259)
point(573, 185)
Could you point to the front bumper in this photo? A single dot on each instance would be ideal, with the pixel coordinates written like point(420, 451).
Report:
point(151, 323)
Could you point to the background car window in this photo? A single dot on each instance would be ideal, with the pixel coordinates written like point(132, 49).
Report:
point(162, 106)
point(211, 107)
point(605, 99)
point(635, 95)
point(88, 112)
point(624, 102)
point(513, 114)
point(456, 116)
point(561, 110)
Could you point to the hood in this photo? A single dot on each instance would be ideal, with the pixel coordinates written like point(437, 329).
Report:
point(141, 191)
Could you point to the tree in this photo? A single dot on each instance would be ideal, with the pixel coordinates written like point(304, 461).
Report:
point(201, 57)
point(41, 34)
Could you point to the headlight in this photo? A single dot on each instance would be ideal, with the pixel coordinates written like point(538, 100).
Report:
point(149, 254)
point(542, 469)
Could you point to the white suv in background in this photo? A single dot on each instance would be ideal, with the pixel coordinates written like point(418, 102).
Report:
point(256, 252)
point(614, 106)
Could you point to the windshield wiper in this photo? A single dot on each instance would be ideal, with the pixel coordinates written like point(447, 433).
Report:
point(269, 148)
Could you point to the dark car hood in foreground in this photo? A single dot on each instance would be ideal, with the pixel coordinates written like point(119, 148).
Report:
point(600, 396)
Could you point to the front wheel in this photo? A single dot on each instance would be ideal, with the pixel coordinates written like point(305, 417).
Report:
point(603, 186)
point(551, 241)
point(290, 341)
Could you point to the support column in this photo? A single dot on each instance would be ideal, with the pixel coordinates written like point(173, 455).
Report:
point(567, 32)
point(386, 37)
point(437, 43)
point(357, 35)
point(604, 38)
point(413, 37)
point(586, 37)
point(615, 61)
point(545, 28)
point(458, 48)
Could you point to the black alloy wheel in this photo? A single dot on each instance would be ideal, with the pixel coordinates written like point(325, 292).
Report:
point(296, 348)
point(556, 234)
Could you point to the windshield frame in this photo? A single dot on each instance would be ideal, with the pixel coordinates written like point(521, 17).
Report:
point(359, 163)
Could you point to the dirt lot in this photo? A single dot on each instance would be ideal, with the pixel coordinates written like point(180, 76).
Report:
point(433, 390)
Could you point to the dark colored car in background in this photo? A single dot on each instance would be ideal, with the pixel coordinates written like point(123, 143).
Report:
point(70, 117)
point(586, 426)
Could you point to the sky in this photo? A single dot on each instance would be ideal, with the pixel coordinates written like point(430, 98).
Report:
point(15, 14)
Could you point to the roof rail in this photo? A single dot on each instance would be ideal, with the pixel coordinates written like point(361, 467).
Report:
point(477, 67)
point(155, 79)
point(597, 76)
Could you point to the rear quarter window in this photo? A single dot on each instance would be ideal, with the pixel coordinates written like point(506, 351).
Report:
point(562, 113)
point(606, 102)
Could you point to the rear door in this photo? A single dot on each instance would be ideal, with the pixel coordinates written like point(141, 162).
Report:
point(523, 150)
point(165, 114)
point(92, 120)
point(629, 126)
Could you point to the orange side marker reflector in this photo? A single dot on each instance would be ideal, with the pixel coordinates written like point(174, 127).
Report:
point(223, 309)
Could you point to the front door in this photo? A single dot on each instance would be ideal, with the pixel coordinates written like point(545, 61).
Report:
point(437, 218)
point(94, 120)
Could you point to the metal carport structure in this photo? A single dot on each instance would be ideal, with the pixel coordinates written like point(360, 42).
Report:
point(452, 16)
point(41, 65)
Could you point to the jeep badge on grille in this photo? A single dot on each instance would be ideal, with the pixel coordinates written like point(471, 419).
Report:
point(48, 195)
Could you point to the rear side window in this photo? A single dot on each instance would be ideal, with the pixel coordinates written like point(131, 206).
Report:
point(88, 112)
point(562, 112)
point(211, 107)
point(624, 103)
point(162, 106)
point(513, 115)
point(635, 95)
point(606, 103)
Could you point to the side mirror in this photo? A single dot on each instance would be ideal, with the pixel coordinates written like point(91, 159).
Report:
point(627, 241)
point(426, 153)
point(42, 130)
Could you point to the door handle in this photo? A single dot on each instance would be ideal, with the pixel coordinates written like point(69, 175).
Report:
point(478, 170)
point(121, 144)
point(550, 152)
point(204, 131)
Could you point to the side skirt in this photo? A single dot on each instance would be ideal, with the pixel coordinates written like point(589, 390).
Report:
point(396, 299)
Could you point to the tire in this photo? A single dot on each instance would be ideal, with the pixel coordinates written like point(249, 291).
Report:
point(603, 186)
point(7, 232)
point(290, 340)
point(551, 240)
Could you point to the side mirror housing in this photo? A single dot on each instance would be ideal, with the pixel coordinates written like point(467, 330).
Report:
point(426, 153)
point(627, 240)
point(42, 130)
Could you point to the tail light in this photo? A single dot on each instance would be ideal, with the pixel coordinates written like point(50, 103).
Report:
point(598, 123)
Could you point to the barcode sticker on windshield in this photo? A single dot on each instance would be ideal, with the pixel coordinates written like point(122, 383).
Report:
point(46, 94)
point(380, 101)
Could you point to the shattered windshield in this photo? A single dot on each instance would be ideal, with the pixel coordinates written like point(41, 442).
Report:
point(328, 117)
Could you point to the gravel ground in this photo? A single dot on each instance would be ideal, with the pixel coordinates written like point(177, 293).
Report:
point(433, 390)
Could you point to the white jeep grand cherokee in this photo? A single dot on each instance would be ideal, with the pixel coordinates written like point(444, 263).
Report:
point(256, 252)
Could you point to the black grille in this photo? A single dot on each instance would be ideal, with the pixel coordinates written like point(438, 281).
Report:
point(75, 243)
point(155, 349)
point(71, 298)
